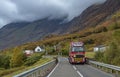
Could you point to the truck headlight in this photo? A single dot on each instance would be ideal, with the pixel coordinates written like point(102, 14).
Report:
point(74, 55)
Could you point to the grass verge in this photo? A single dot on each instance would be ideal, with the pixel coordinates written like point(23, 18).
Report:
point(15, 71)
point(90, 54)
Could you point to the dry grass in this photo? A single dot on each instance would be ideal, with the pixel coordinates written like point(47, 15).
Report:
point(15, 71)
point(90, 54)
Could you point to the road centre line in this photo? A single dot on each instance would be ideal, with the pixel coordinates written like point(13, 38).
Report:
point(74, 67)
point(77, 71)
point(80, 74)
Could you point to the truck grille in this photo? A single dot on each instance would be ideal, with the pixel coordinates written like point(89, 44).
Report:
point(79, 56)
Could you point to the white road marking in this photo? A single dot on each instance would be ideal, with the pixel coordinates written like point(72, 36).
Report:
point(77, 71)
point(80, 74)
point(53, 70)
point(74, 68)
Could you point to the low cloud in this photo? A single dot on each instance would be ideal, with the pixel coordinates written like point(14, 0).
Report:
point(30, 10)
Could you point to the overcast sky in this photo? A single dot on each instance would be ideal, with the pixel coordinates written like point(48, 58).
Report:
point(30, 10)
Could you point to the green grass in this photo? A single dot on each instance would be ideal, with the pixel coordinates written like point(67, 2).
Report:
point(90, 54)
point(15, 71)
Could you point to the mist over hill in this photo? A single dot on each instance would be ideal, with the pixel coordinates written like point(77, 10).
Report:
point(31, 10)
point(28, 31)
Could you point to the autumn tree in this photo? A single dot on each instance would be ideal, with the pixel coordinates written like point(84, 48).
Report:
point(17, 58)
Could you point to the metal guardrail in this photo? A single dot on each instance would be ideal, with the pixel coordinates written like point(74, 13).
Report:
point(40, 71)
point(112, 68)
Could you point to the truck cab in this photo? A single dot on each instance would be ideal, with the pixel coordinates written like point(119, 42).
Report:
point(77, 52)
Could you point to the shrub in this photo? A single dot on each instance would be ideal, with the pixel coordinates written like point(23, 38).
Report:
point(32, 59)
point(99, 56)
point(111, 54)
point(89, 41)
point(17, 58)
point(113, 26)
point(64, 52)
point(9, 71)
point(100, 29)
point(4, 61)
point(116, 36)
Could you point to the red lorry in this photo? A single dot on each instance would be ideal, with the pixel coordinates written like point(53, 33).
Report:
point(77, 53)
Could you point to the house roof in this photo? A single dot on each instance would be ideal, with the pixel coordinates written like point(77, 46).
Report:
point(40, 47)
point(100, 46)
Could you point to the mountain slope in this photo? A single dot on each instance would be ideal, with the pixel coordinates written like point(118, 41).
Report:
point(19, 33)
point(95, 14)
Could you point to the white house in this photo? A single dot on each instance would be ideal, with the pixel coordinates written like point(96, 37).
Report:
point(100, 48)
point(39, 49)
point(28, 52)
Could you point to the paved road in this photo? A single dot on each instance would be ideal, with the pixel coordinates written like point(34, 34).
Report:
point(64, 69)
point(89, 71)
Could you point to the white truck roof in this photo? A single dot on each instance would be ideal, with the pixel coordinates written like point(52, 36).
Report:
point(77, 44)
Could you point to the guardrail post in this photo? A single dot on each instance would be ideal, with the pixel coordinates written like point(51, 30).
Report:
point(116, 74)
point(106, 69)
point(111, 71)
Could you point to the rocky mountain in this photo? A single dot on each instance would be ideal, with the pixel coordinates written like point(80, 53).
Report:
point(22, 32)
point(95, 14)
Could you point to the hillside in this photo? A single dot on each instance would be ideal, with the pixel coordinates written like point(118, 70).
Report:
point(95, 15)
point(103, 34)
point(12, 35)
point(19, 33)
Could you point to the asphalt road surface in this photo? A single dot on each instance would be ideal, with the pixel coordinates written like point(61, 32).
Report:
point(65, 69)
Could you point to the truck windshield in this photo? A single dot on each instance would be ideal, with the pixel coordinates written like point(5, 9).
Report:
point(78, 49)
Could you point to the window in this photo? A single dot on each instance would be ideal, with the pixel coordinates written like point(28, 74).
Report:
point(38, 49)
point(78, 49)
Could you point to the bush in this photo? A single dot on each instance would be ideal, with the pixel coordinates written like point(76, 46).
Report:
point(9, 71)
point(111, 54)
point(100, 29)
point(65, 52)
point(89, 41)
point(113, 26)
point(32, 59)
point(116, 36)
point(17, 58)
point(4, 61)
point(51, 52)
point(99, 56)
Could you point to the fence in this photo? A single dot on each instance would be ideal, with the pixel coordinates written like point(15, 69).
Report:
point(40, 71)
point(106, 67)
